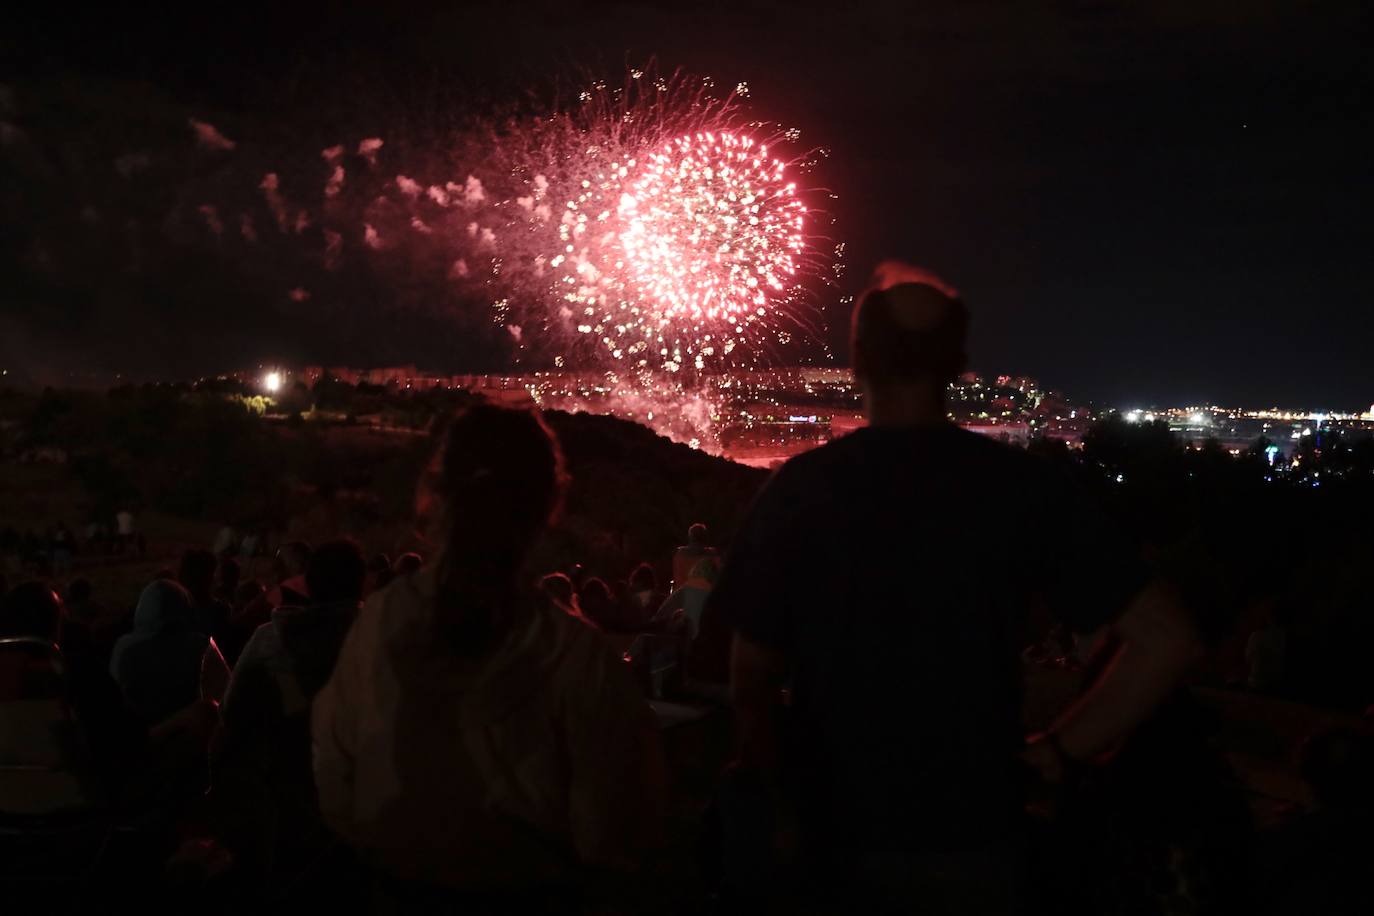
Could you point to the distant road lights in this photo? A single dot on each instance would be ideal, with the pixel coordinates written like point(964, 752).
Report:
point(1132, 416)
point(271, 382)
point(1198, 419)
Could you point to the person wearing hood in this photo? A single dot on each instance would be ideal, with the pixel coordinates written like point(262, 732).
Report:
point(476, 744)
point(262, 784)
point(166, 664)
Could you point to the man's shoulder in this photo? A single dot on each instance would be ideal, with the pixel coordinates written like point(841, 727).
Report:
point(856, 446)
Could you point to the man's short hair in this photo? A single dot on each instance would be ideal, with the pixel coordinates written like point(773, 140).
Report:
point(909, 325)
point(697, 534)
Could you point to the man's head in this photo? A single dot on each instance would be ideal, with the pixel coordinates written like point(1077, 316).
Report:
point(643, 578)
point(697, 535)
point(228, 575)
point(558, 587)
point(909, 330)
point(336, 573)
point(197, 572)
point(408, 563)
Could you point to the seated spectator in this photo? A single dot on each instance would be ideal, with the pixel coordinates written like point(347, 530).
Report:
point(112, 735)
point(246, 594)
point(379, 573)
point(290, 589)
point(697, 548)
point(249, 546)
point(559, 590)
point(81, 607)
point(407, 564)
point(301, 643)
point(642, 597)
point(475, 743)
point(246, 611)
point(226, 542)
point(597, 603)
point(227, 577)
point(79, 631)
point(197, 575)
point(166, 663)
point(62, 548)
point(264, 789)
point(126, 530)
point(290, 565)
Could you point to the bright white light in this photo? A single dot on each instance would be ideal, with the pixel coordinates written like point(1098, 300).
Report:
point(1198, 419)
point(1149, 418)
point(1307, 432)
point(272, 382)
point(1133, 416)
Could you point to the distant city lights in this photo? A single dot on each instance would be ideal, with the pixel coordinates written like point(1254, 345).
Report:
point(271, 382)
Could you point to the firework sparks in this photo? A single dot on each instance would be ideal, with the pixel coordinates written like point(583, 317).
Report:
point(646, 233)
point(656, 232)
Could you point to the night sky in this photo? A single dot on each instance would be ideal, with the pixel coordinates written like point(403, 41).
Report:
point(1142, 203)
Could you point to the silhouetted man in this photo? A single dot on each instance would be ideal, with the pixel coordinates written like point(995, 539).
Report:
point(901, 779)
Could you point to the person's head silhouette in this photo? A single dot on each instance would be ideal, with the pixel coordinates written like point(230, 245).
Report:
point(908, 343)
point(498, 481)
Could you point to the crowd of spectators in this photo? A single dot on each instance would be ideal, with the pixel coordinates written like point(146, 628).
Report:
point(463, 732)
point(52, 552)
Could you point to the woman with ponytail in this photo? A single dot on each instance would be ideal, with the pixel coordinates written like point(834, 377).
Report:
point(474, 741)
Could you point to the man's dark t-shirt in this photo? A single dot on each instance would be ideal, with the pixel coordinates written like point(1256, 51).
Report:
point(896, 569)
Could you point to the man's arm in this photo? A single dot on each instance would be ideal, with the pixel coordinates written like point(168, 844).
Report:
point(1159, 644)
point(757, 675)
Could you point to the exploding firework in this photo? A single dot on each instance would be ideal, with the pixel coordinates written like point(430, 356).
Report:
point(644, 235)
point(649, 229)
point(673, 256)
